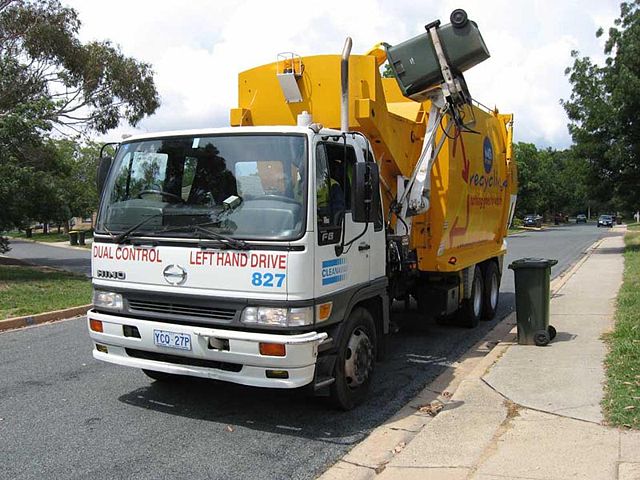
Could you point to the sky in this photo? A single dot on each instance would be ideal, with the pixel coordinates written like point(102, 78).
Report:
point(198, 47)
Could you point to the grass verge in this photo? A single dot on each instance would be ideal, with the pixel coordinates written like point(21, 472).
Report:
point(33, 290)
point(622, 394)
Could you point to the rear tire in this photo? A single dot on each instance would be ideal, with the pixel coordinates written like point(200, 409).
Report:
point(471, 308)
point(491, 291)
point(161, 376)
point(356, 360)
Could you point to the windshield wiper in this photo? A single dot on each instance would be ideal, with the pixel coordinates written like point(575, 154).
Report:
point(226, 239)
point(120, 238)
point(208, 234)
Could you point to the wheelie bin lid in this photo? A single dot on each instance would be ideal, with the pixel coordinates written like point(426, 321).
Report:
point(532, 263)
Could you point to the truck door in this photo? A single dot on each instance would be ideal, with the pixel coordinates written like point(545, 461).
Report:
point(334, 167)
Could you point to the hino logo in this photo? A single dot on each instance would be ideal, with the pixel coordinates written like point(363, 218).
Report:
point(175, 274)
point(111, 275)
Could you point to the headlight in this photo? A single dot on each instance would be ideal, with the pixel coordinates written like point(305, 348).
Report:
point(279, 317)
point(107, 300)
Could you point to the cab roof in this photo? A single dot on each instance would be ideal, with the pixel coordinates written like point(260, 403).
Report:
point(274, 129)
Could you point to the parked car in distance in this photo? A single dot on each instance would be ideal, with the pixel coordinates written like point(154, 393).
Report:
point(532, 221)
point(581, 218)
point(605, 221)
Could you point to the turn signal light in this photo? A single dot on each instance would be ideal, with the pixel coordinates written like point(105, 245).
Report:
point(324, 311)
point(95, 325)
point(273, 349)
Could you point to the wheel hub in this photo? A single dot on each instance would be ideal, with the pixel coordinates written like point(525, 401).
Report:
point(359, 358)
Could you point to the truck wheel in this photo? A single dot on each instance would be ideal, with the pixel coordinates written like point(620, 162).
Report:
point(356, 360)
point(491, 291)
point(471, 308)
point(161, 376)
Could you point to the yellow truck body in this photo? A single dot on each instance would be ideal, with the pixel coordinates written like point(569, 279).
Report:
point(473, 180)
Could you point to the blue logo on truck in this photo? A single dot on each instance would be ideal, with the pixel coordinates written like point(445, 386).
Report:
point(334, 271)
point(487, 151)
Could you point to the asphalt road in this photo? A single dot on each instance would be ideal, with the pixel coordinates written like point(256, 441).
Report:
point(72, 259)
point(65, 415)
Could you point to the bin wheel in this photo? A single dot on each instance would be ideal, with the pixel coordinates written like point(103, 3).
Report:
point(491, 291)
point(471, 308)
point(459, 18)
point(541, 338)
point(552, 332)
point(356, 360)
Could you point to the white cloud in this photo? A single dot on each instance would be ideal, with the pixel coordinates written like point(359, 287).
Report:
point(198, 47)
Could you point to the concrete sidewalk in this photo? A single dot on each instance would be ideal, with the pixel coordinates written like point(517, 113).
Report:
point(535, 413)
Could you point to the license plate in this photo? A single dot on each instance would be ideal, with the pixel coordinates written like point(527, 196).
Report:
point(163, 338)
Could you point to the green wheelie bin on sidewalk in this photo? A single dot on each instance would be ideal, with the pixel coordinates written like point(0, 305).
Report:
point(533, 292)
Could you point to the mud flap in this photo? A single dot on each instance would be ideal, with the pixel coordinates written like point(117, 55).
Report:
point(324, 374)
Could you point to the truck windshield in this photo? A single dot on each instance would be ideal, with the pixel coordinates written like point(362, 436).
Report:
point(242, 186)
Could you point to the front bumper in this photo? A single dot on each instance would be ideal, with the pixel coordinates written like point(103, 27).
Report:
point(239, 362)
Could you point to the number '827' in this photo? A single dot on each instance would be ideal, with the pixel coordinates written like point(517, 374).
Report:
point(269, 280)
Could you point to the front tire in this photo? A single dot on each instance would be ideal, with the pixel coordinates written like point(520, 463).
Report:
point(356, 360)
point(491, 291)
point(471, 308)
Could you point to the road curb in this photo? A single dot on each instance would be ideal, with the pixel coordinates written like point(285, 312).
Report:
point(47, 317)
point(52, 244)
point(370, 457)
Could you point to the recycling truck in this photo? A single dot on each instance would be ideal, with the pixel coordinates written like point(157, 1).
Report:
point(269, 253)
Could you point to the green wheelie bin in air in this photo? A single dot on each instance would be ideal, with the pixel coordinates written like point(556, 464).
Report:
point(533, 292)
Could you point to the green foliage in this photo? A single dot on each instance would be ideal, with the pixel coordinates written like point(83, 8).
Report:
point(387, 72)
point(77, 187)
point(53, 85)
point(62, 82)
point(549, 181)
point(58, 186)
point(622, 394)
point(603, 109)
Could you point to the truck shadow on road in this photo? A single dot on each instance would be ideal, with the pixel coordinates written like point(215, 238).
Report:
point(416, 355)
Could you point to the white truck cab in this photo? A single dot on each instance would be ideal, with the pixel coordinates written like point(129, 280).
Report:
point(233, 254)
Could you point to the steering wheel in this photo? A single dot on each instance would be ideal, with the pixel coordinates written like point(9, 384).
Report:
point(162, 193)
point(280, 198)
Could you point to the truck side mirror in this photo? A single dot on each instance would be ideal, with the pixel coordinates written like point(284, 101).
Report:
point(103, 171)
point(364, 198)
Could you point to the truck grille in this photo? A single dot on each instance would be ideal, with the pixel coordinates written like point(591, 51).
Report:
point(181, 310)
point(188, 361)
